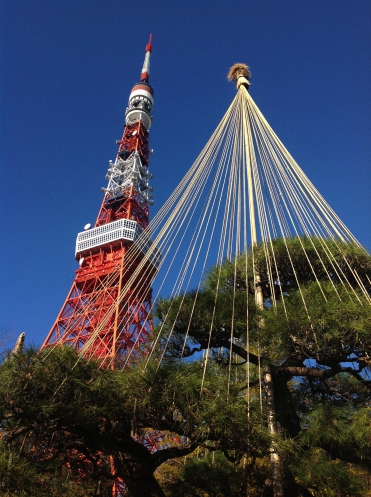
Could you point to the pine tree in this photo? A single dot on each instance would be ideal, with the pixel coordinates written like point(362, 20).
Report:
point(69, 422)
point(315, 340)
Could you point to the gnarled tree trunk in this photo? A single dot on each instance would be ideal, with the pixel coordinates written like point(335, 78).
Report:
point(137, 474)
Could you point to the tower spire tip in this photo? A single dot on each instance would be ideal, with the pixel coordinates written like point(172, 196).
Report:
point(149, 44)
point(145, 71)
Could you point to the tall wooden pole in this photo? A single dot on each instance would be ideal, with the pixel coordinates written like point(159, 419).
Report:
point(276, 464)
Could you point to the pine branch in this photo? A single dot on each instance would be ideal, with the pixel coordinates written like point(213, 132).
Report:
point(321, 373)
point(160, 456)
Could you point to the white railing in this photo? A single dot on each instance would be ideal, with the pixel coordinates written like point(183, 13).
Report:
point(107, 234)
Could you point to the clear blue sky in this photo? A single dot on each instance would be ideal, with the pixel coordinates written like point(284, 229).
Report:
point(67, 70)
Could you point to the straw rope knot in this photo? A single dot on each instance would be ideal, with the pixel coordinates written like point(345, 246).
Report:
point(241, 74)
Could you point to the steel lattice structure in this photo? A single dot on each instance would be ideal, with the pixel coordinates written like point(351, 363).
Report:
point(93, 319)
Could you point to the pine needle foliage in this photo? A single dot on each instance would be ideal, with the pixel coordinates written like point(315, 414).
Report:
point(315, 338)
point(338, 327)
point(326, 477)
point(209, 475)
point(292, 262)
point(58, 409)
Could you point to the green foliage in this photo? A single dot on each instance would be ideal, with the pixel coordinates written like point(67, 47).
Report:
point(360, 429)
point(300, 260)
point(217, 413)
point(325, 477)
point(193, 315)
point(327, 424)
point(339, 325)
point(293, 261)
point(56, 408)
point(317, 278)
point(208, 476)
point(342, 431)
point(22, 476)
point(44, 400)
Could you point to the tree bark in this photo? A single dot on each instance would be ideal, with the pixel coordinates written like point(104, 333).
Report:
point(285, 411)
point(132, 461)
point(138, 476)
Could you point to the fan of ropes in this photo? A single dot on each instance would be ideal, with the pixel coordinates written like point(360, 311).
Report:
point(245, 202)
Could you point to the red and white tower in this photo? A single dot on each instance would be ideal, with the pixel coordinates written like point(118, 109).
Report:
point(107, 312)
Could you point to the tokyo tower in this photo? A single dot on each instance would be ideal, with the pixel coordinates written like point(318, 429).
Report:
point(106, 314)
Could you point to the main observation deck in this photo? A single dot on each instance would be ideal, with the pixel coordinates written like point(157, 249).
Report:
point(94, 239)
